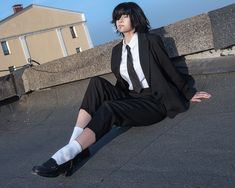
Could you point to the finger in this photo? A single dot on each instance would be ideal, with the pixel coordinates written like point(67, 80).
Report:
point(202, 95)
point(202, 92)
point(196, 100)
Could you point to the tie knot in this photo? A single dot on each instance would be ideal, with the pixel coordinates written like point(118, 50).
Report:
point(128, 48)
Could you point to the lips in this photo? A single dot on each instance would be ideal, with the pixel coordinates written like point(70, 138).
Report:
point(120, 26)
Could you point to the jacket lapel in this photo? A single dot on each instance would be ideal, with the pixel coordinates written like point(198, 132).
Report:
point(115, 63)
point(117, 58)
point(144, 54)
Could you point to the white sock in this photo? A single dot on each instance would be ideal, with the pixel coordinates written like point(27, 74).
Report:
point(67, 153)
point(76, 132)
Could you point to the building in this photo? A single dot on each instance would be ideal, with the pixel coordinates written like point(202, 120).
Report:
point(41, 33)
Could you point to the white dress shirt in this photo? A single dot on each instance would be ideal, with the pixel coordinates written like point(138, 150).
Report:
point(134, 45)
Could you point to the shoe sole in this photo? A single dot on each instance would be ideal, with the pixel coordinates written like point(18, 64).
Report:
point(45, 175)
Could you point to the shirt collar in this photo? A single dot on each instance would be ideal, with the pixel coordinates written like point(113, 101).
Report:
point(133, 41)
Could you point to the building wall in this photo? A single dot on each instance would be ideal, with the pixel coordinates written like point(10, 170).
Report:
point(36, 19)
point(44, 47)
point(40, 26)
point(73, 43)
point(16, 56)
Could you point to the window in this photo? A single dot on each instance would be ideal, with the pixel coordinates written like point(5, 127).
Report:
point(78, 50)
point(73, 31)
point(5, 48)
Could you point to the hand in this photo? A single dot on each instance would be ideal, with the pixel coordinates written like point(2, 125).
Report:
point(200, 95)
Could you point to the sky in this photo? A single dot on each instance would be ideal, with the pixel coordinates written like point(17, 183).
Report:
point(99, 12)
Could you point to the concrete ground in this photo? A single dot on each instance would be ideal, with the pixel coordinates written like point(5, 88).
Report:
point(195, 149)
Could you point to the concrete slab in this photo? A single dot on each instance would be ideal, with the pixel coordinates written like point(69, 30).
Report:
point(223, 27)
point(7, 88)
point(187, 36)
point(195, 149)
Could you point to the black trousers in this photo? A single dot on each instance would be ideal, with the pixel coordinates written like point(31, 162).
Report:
point(109, 105)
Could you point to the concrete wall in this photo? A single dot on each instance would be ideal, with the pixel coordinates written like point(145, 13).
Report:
point(182, 39)
point(213, 30)
point(187, 36)
point(89, 63)
point(7, 87)
point(223, 26)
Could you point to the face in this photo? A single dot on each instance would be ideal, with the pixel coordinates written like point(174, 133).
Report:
point(124, 24)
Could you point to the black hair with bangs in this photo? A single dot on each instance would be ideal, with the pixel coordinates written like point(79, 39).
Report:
point(138, 19)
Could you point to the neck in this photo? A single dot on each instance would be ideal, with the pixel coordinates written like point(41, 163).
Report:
point(128, 36)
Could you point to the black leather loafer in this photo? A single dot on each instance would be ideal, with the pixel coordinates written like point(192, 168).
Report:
point(47, 169)
point(51, 169)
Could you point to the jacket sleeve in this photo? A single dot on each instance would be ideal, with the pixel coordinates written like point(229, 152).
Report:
point(168, 67)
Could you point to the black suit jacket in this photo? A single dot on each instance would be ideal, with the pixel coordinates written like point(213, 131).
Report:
point(165, 81)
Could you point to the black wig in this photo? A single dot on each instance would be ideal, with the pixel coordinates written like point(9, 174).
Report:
point(138, 19)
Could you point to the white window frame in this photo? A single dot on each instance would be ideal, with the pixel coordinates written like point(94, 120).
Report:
point(8, 48)
point(62, 43)
point(73, 32)
point(79, 49)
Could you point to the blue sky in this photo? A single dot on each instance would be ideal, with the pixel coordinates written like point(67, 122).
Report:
point(98, 12)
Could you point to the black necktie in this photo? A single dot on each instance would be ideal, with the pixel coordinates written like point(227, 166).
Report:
point(131, 71)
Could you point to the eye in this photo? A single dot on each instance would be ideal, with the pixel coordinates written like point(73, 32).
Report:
point(124, 16)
